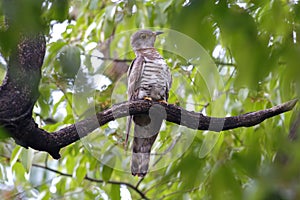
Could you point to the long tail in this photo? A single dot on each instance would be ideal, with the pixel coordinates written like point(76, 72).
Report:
point(145, 133)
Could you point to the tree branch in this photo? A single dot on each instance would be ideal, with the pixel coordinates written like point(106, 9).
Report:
point(53, 142)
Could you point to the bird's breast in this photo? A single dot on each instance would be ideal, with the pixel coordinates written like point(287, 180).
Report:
point(154, 79)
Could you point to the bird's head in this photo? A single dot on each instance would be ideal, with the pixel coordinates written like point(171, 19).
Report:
point(143, 39)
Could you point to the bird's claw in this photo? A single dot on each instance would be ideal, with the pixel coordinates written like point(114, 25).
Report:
point(163, 101)
point(148, 98)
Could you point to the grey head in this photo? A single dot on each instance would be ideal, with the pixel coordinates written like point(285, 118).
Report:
point(143, 39)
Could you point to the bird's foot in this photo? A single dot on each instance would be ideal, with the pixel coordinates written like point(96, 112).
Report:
point(141, 175)
point(163, 101)
point(148, 98)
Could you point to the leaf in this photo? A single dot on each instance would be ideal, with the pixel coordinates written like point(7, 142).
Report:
point(44, 100)
point(203, 29)
point(62, 99)
point(108, 28)
point(106, 172)
point(115, 192)
point(165, 5)
point(93, 4)
point(59, 10)
point(26, 158)
point(243, 94)
point(110, 12)
point(56, 46)
point(69, 59)
point(109, 161)
point(81, 172)
point(210, 140)
point(2, 72)
point(70, 163)
point(3, 134)
point(224, 184)
point(15, 155)
point(19, 172)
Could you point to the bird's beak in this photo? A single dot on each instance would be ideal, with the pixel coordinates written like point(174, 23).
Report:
point(158, 32)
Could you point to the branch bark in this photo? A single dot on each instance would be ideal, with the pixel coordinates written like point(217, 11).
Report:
point(52, 142)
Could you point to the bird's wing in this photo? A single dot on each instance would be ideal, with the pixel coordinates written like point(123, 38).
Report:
point(134, 76)
point(169, 83)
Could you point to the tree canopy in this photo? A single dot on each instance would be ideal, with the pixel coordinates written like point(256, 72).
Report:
point(227, 58)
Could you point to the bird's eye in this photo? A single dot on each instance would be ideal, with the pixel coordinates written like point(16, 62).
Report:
point(143, 36)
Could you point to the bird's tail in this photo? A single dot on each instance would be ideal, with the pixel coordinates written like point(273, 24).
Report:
point(144, 137)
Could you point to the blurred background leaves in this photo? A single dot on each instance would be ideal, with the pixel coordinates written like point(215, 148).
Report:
point(256, 48)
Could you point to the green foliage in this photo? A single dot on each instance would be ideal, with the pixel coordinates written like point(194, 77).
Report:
point(58, 9)
point(69, 60)
point(255, 45)
point(21, 15)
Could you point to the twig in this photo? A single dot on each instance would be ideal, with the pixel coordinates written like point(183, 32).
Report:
point(94, 180)
point(167, 150)
point(135, 188)
point(225, 64)
point(179, 191)
point(111, 59)
point(176, 179)
point(119, 183)
point(140, 181)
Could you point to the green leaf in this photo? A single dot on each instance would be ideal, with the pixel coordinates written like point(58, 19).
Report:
point(26, 158)
point(108, 28)
point(59, 10)
point(110, 12)
point(70, 164)
point(19, 171)
point(3, 134)
point(115, 192)
point(106, 172)
point(210, 140)
point(93, 4)
point(2, 72)
point(69, 59)
point(109, 161)
point(165, 5)
point(243, 94)
point(44, 100)
point(62, 99)
point(54, 47)
point(224, 184)
point(15, 155)
point(81, 172)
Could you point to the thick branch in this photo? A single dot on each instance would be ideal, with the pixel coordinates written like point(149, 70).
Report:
point(192, 119)
point(174, 114)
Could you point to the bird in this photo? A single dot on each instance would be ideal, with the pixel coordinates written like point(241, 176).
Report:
point(149, 78)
